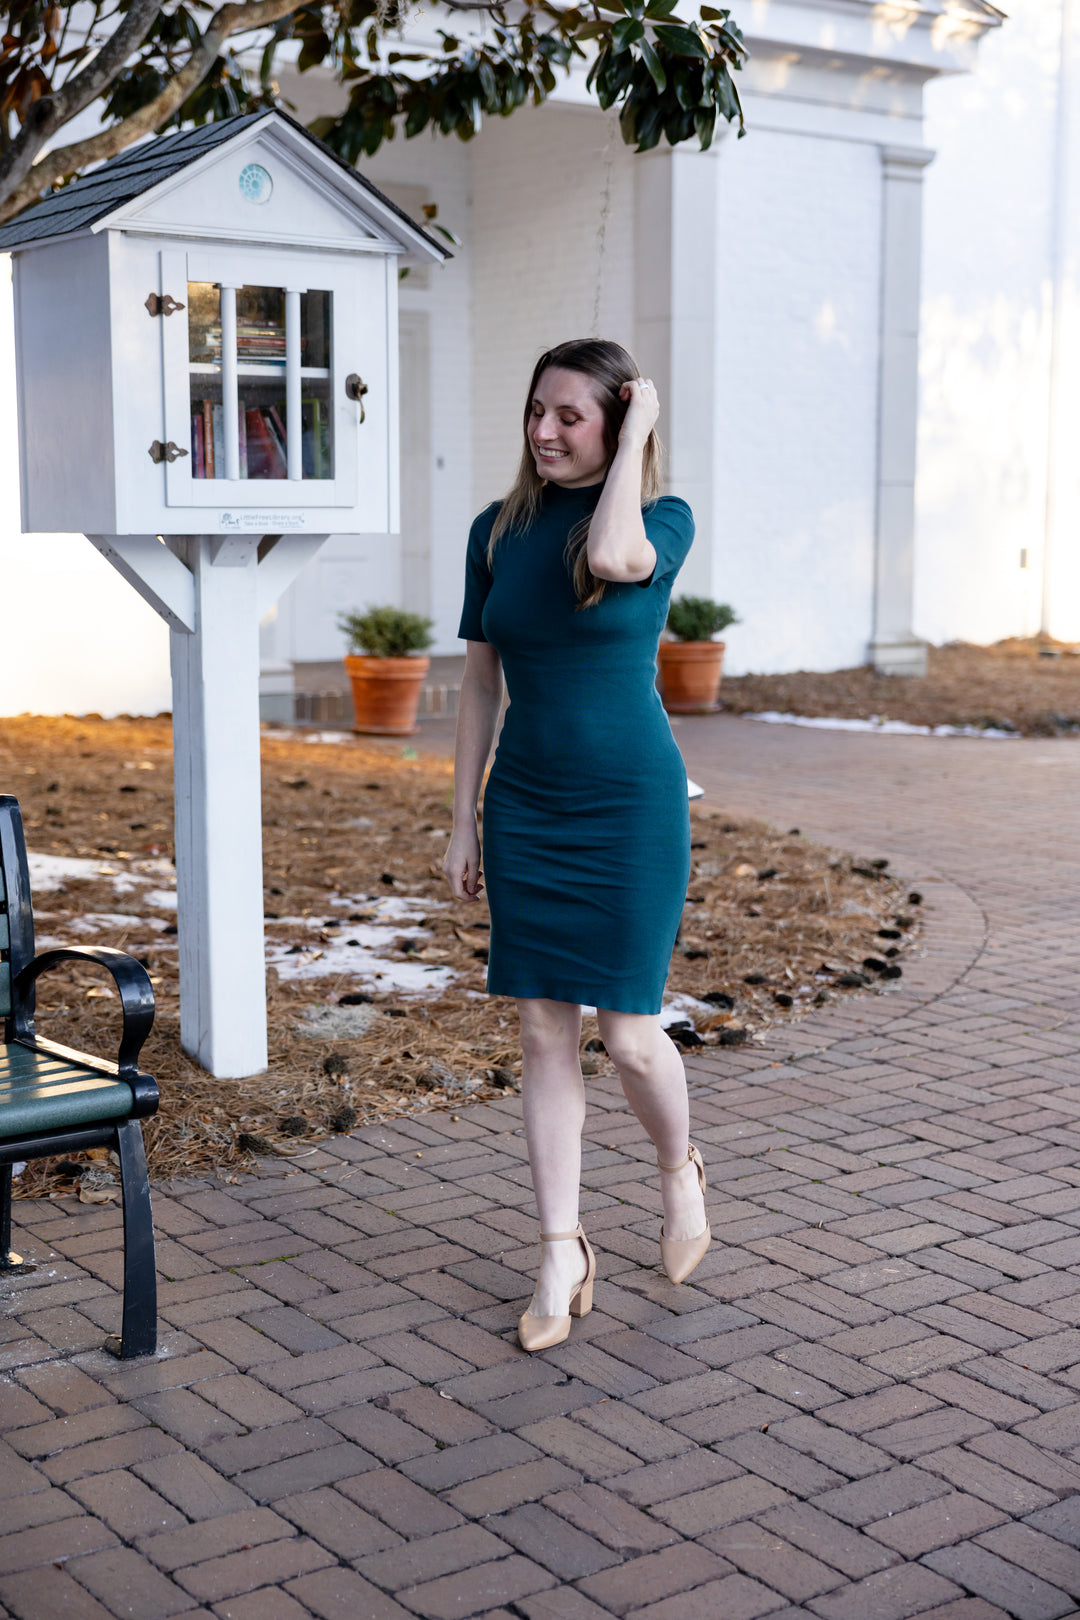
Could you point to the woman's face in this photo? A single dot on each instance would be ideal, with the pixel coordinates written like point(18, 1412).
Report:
point(566, 429)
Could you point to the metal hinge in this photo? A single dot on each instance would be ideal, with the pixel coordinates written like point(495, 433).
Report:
point(162, 304)
point(165, 452)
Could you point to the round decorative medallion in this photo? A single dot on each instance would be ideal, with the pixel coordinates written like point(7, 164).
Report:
point(256, 184)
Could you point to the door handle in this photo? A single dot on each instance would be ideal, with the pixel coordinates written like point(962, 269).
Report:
point(356, 388)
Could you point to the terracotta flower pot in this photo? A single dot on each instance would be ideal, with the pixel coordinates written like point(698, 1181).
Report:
point(690, 675)
point(386, 693)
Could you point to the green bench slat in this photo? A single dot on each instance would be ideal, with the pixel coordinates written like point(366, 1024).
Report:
point(16, 1061)
point(42, 1093)
point(5, 967)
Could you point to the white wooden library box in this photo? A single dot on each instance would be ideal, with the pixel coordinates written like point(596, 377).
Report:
point(206, 340)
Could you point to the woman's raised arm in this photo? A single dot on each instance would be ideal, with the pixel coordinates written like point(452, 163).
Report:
point(618, 549)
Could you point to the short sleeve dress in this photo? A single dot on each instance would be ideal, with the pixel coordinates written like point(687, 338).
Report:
point(586, 828)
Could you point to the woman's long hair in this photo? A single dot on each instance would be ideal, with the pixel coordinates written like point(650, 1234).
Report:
point(608, 366)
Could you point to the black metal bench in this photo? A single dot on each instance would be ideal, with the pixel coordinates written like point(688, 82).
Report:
point(54, 1100)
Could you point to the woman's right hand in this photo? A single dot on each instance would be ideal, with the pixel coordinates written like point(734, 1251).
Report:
point(461, 865)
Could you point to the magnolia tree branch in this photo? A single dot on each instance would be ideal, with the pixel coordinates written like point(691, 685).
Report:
point(17, 190)
point(51, 112)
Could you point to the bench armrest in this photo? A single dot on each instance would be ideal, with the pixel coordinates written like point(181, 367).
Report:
point(132, 981)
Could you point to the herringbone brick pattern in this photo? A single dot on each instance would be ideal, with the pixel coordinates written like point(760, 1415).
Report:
point(866, 1406)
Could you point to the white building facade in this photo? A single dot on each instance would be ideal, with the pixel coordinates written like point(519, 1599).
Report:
point(903, 193)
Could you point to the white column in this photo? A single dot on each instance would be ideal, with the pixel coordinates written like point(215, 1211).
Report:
point(230, 406)
point(215, 677)
point(675, 295)
point(294, 439)
point(1060, 605)
point(894, 648)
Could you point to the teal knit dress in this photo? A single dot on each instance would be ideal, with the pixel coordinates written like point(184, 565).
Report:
point(586, 830)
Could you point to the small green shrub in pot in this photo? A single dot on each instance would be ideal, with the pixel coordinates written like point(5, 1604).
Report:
point(699, 618)
point(384, 670)
point(386, 632)
point(689, 667)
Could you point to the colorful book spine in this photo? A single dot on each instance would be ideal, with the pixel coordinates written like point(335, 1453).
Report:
point(277, 428)
point(198, 453)
point(265, 456)
point(243, 444)
point(218, 415)
point(316, 457)
point(208, 438)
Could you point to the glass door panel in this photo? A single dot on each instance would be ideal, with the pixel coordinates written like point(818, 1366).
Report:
point(315, 414)
point(264, 367)
point(204, 361)
point(261, 365)
point(254, 376)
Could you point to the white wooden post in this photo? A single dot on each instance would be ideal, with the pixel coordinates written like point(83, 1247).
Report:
point(894, 647)
point(212, 590)
point(219, 880)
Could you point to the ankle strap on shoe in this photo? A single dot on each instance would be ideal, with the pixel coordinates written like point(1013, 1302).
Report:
point(670, 1168)
point(560, 1237)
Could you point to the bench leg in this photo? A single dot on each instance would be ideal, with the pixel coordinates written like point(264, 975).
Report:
point(10, 1262)
point(139, 1335)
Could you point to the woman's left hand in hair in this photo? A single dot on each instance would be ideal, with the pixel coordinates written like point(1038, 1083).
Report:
point(643, 407)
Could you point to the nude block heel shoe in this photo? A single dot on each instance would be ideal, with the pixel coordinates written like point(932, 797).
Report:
point(543, 1332)
point(679, 1256)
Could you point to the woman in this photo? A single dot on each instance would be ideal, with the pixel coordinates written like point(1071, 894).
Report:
point(586, 826)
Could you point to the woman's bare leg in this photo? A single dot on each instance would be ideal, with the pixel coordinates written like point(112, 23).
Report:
point(654, 1084)
point(553, 1101)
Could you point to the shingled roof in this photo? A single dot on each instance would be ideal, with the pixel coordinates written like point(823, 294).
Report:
point(83, 203)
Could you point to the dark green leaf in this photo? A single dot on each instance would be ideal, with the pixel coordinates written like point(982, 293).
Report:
point(685, 82)
point(654, 65)
point(650, 127)
point(682, 41)
point(626, 32)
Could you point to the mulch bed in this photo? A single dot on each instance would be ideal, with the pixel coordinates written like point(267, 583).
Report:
point(773, 925)
point(1031, 687)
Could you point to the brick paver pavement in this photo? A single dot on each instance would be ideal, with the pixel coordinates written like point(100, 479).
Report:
point(866, 1406)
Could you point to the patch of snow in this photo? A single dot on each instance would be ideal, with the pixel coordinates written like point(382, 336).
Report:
point(328, 736)
point(672, 1011)
point(124, 882)
point(363, 961)
point(336, 1023)
point(163, 899)
point(361, 964)
point(401, 908)
point(682, 1006)
point(53, 871)
point(894, 728)
point(392, 907)
point(96, 922)
point(158, 866)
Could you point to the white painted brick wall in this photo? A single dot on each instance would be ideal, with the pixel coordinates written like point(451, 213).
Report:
point(368, 568)
point(799, 254)
point(538, 183)
point(82, 641)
